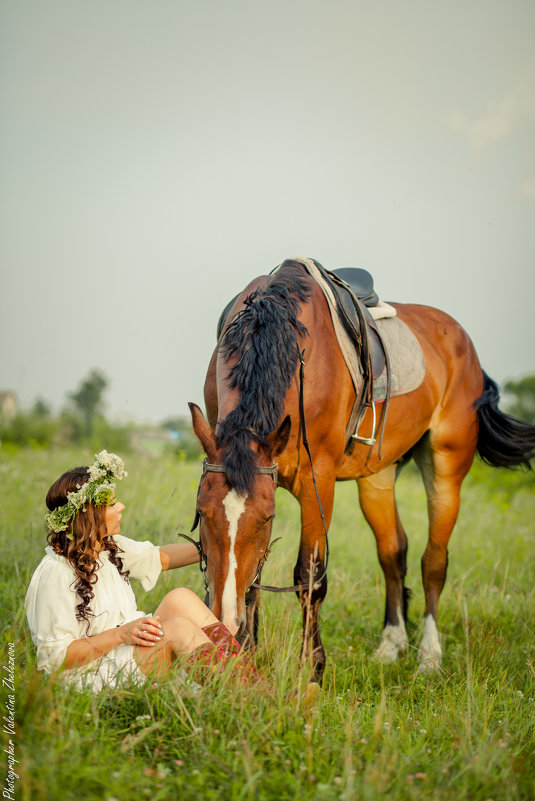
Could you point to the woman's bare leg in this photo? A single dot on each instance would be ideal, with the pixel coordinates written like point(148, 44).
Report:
point(182, 615)
point(184, 603)
point(180, 637)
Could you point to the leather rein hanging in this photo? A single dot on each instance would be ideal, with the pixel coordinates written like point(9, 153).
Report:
point(273, 471)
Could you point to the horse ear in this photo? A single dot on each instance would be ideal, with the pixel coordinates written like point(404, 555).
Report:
point(278, 439)
point(203, 431)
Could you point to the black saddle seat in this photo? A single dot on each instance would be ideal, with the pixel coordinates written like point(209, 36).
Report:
point(361, 283)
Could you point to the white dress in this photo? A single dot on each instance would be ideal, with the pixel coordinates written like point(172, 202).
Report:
point(50, 608)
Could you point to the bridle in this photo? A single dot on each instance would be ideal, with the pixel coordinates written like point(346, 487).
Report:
point(272, 470)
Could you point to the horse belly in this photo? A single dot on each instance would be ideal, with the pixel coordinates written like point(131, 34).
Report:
point(408, 418)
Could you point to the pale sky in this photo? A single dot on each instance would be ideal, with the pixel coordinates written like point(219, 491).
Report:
point(158, 156)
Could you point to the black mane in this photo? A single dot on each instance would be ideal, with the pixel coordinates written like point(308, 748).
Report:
point(264, 336)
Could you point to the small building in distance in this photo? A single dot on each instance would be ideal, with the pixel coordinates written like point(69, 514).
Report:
point(8, 406)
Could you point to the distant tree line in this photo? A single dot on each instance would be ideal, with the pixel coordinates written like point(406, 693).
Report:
point(82, 423)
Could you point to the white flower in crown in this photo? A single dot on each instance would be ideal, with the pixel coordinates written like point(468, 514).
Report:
point(78, 498)
point(96, 472)
point(110, 463)
point(104, 494)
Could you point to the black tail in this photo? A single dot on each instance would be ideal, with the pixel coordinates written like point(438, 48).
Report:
point(503, 441)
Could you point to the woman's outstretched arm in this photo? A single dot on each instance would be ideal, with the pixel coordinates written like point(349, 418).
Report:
point(178, 555)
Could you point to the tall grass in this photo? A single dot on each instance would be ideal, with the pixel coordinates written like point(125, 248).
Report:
point(467, 732)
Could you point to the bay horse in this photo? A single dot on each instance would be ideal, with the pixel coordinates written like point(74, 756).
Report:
point(277, 329)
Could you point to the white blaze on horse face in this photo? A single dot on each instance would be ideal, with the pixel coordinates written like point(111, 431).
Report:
point(234, 505)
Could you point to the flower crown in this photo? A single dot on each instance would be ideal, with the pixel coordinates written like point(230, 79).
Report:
point(99, 491)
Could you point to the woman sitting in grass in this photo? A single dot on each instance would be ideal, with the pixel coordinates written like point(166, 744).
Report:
point(80, 606)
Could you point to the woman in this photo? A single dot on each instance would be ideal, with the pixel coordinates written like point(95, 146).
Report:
point(80, 607)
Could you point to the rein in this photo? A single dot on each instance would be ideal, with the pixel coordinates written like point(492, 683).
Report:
point(273, 471)
point(317, 583)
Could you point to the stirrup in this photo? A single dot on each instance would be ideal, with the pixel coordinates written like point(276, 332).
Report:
point(366, 440)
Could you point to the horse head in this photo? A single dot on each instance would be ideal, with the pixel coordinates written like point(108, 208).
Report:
point(235, 516)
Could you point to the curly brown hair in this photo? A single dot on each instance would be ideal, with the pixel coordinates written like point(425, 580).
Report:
point(84, 537)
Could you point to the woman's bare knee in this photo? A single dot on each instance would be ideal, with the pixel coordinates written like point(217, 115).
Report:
point(182, 635)
point(182, 602)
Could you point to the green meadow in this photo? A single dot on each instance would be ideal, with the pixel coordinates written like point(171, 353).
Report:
point(376, 732)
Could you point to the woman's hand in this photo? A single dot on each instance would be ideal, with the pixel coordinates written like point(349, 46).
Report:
point(143, 631)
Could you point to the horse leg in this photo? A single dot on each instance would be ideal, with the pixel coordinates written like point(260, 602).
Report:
point(376, 494)
point(309, 570)
point(443, 472)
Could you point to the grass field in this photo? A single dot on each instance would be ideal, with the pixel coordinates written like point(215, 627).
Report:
point(377, 731)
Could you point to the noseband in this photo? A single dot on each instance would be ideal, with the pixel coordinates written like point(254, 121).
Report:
point(272, 470)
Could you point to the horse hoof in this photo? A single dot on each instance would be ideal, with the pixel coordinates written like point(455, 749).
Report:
point(429, 665)
point(393, 644)
point(386, 654)
point(310, 696)
point(430, 652)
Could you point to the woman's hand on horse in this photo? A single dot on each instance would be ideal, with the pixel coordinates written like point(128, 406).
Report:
point(143, 631)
